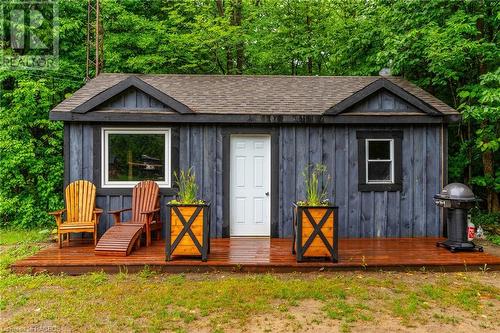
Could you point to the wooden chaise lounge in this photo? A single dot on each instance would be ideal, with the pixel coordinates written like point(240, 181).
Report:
point(121, 238)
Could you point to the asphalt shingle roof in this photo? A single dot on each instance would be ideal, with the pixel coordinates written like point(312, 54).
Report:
point(244, 94)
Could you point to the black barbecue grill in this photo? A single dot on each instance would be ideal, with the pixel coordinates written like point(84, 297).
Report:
point(457, 199)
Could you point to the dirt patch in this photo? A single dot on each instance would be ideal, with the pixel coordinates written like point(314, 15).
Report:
point(488, 278)
point(388, 324)
point(309, 316)
point(489, 247)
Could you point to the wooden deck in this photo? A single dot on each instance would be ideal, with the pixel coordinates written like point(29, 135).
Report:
point(262, 255)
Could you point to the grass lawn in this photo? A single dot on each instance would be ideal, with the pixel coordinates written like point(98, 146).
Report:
point(316, 302)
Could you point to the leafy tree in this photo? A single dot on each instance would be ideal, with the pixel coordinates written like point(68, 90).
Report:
point(446, 47)
point(482, 106)
point(30, 150)
point(31, 162)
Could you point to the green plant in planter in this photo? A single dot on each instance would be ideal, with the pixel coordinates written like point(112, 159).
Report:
point(188, 189)
point(316, 195)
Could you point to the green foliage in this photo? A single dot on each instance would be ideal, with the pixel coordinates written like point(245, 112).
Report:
point(31, 164)
point(450, 48)
point(495, 239)
point(490, 222)
point(320, 37)
point(316, 182)
point(481, 106)
point(486, 219)
point(458, 161)
point(188, 189)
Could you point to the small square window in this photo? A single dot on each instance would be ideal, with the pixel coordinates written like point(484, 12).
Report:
point(133, 155)
point(379, 161)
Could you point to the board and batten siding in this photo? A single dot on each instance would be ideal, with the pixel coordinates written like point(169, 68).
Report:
point(409, 213)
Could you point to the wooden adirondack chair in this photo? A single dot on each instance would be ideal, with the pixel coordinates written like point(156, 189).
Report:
point(120, 238)
point(81, 213)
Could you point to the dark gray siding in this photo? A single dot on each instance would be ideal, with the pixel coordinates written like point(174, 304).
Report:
point(409, 213)
point(384, 101)
point(134, 99)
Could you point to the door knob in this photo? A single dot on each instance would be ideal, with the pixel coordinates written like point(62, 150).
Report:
point(267, 193)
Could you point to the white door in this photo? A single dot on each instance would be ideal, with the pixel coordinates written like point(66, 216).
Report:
point(250, 185)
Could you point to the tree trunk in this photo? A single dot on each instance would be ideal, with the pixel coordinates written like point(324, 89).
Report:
point(240, 52)
point(488, 169)
point(229, 60)
point(495, 202)
point(469, 153)
point(229, 54)
point(220, 7)
point(309, 59)
point(491, 196)
point(240, 58)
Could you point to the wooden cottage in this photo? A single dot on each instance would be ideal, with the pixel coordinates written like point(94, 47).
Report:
point(249, 138)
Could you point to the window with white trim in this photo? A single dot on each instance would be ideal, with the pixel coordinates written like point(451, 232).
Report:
point(379, 161)
point(130, 155)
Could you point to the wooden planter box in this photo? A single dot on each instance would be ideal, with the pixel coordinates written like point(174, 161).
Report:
point(315, 232)
point(188, 230)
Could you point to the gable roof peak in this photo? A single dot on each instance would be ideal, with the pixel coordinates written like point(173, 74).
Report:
point(383, 82)
point(128, 82)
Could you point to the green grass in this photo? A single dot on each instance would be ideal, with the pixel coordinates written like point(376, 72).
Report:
point(14, 236)
point(495, 239)
point(152, 302)
point(15, 244)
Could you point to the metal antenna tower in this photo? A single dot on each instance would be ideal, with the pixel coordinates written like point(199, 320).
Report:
point(95, 40)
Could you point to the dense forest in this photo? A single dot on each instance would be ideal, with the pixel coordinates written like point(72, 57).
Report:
point(449, 48)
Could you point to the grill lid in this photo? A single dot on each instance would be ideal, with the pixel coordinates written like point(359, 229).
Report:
point(457, 191)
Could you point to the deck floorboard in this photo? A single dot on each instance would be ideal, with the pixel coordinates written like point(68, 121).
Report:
point(261, 255)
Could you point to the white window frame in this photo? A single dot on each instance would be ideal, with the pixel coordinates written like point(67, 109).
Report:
point(106, 183)
point(367, 160)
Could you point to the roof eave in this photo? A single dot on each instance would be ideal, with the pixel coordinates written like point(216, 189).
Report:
point(116, 117)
